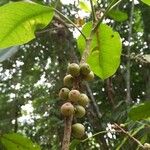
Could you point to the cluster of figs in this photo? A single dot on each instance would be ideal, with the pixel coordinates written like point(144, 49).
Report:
point(75, 101)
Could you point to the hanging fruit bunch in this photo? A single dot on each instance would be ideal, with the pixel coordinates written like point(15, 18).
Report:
point(75, 102)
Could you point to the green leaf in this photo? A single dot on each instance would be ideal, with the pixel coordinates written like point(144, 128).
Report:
point(84, 6)
point(118, 15)
point(20, 20)
point(95, 2)
point(14, 141)
point(105, 49)
point(74, 144)
point(141, 111)
point(146, 2)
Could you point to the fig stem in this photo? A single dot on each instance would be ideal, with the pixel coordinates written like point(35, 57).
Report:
point(68, 122)
point(67, 132)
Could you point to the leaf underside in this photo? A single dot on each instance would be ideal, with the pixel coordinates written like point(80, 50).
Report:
point(105, 47)
point(19, 21)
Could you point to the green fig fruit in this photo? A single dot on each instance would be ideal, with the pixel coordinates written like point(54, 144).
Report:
point(85, 69)
point(73, 69)
point(63, 93)
point(74, 96)
point(83, 100)
point(146, 146)
point(78, 130)
point(67, 109)
point(68, 80)
point(79, 111)
point(89, 77)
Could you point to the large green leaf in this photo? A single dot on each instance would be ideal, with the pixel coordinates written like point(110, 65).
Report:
point(146, 2)
point(14, 141)
point(141, 111)
point(118, 15)
point(20, 20)
point(105, 48)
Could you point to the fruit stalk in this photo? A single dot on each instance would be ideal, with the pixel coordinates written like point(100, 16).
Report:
point(67, 132)
point(68, 123)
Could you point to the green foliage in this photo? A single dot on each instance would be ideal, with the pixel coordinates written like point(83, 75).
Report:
point(146, 2)
point(84, 6)
point(20, 20)
point(141, 111)
point(14, 141)
point(118, 15)
point(74, 144)
point(47, 57)
point(105, 53)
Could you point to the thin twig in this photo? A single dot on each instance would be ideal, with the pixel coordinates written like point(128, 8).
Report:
point(101, 132)
point(93, 11)
point(137, 57)
point(110, 7)
point(99, 114)
point(128, 78)
point(58, 12)
point(127, 133)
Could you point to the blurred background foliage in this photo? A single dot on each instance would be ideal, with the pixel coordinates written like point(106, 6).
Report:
point(30, 81)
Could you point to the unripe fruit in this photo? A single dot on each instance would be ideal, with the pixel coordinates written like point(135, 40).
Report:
point(67, 109)
point(63, 94)
point(74, 96)
point(122, 125)
point(89, 77)
point(68, 80)
point(78, 130)
point(73, 69)
point(79, 111)
point(147, 146)
point(85, 69)
point(83, 100)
